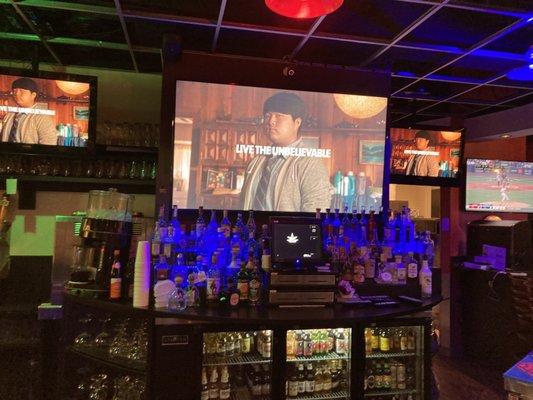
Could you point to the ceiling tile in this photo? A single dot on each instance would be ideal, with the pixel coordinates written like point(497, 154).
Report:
point(150, 34)
point(460, 28)
point(382, 19)
point(256, 44)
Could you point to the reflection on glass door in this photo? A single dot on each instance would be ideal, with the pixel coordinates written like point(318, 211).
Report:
point(394, 363)
point(318, 364)
point(237, 365)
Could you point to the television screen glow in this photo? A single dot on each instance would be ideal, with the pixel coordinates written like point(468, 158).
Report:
point(499, 186)
point(425, 153)
point(242, 147)
point(44, 111)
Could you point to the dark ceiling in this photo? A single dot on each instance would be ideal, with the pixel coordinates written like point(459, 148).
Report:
point(447, 58)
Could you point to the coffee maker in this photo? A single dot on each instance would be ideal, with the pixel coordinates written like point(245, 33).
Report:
point(106, 227)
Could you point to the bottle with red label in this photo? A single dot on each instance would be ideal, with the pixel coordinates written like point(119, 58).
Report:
point(115, 287)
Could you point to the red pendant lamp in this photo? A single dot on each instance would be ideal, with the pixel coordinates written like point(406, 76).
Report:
point(303, 8)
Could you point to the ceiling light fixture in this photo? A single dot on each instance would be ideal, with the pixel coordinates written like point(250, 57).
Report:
point(505, 136)
point(525, 72)
point(301, 9)
point(72, 88)
point(360, 107)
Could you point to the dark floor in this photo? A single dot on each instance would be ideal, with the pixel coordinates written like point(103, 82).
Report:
point(466, 380)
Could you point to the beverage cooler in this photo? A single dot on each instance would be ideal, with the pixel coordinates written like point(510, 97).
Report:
point(397, 360)
point(209, 362)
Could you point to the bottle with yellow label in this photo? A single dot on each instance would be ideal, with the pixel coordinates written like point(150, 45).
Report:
point(384, 341)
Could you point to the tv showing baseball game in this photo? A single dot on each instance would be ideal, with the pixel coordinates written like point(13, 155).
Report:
point(46, 109)
point(243, 147)
point(499, 186)
point(425, 155)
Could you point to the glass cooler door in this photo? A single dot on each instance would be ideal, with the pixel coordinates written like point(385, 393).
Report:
point(318, 364)
point(394, 362)
point(237, 365)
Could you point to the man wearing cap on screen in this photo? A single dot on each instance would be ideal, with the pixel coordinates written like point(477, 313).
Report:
point(25, 126)
point(285, 183)
point(421, 164)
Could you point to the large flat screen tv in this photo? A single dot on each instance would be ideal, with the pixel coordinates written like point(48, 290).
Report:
point(499, 186)
point(426, 156)
point(243, 147)
point(46, 110)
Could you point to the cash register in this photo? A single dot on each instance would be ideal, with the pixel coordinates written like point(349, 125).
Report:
point(299, 274)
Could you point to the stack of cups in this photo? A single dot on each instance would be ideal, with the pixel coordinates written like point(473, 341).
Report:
point(141, 282)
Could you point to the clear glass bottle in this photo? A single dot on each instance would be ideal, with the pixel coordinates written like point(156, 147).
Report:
point(177, 300)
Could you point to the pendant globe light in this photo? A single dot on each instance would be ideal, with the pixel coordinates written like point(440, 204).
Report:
point(360, 107)
point(303, 8)
point(72, 88)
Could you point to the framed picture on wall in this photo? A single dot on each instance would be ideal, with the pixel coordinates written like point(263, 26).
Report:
point(81, 113)
point(371, 152)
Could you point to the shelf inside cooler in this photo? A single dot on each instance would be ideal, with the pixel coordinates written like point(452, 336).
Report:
point(251, 358)
point(390, 392)
point(392, 354)
point(102, 357)
point(338, 394)
point(324, 357)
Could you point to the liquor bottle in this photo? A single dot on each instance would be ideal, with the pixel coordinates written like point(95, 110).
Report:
point(221, 346)
point(378, 376)
point(375, 339)
point(246, 343)
point(250, 224)
point(162, 269)
point(335, 375)
point(293, 383)
point(326, 379)
point(233, 268)
point(236, 242)
point(115, 288)
point(233, 292)
point(177, 300)
point(156, 241)
point(291, 345)
point(243, 283)
point(425, 279)
point(265, 386)
point(225, 224)
point(412, 268)
point(400, 376)
point(368, 341)
point(400, 270)
point(299, 344)
point(213, 279)
point(370, 378)
point(214, 390)
point(363, 223)
point(193, 297)
point(307, 345)
point(411, 340)
point(266, 351)
point(336, 223)
point(387, 379)
point(224, 386)
point(393, 374)
point(301, 379)
point(384, 341)
point(255, 287)
point(370, 267)
point(319, 382)
point(310, 379)
point(241, 228)
point(200, 228)
point(341, 343)
point(205, 387)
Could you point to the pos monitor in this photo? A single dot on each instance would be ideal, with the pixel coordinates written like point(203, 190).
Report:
point(296, 241)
